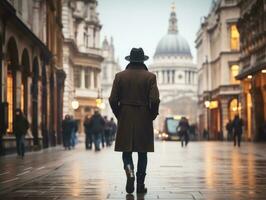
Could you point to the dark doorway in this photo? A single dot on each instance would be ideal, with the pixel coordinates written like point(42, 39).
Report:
point(259, 114)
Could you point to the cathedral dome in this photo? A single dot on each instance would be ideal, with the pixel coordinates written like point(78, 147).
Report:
point(172, 44)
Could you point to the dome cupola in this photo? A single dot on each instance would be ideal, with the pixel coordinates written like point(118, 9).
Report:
point(173, 44)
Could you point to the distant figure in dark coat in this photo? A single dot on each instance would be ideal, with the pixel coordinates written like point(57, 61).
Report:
point(66, 130)
point(113, 129)
point(21, 126)
point(237, 126)
point(183, 127)
point(135, 101)
point(229, 128)
point(107, 131)
point(97, 127)
point(88, 133)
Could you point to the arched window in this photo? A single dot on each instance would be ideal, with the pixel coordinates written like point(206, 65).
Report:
point(234, 38)
point(234, 108)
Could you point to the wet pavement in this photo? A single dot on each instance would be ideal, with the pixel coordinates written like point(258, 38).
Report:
point(203, 170)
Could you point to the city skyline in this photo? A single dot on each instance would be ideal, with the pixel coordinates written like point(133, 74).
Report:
point(121, 26)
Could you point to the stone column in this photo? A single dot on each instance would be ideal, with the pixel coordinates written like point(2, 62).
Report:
point(159, 77)
point(18, 89)
point(80, 37)
point(36, 17)
point(165, 76)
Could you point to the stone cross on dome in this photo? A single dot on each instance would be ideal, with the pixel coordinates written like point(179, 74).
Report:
point(173, 20)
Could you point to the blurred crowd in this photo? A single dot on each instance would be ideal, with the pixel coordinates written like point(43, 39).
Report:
point(69, 128)
point(99, 131)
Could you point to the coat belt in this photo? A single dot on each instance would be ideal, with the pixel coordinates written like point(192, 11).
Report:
point(133, 103)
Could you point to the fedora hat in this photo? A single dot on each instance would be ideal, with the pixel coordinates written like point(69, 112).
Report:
point(136, 55)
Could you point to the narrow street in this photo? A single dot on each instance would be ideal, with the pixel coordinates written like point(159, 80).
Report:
point(203, 170)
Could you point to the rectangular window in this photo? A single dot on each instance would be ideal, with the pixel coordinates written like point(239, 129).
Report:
point(234, 71)
point(10, 101)
point(87, 78)
point(77, 77)
point(234, 38)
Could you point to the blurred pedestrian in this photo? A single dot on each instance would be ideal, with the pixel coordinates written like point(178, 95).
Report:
point(135, 101)
point(237, 127)
point(21, 126)
point(183, 127)
point(66, 130)
point(74, 129)
point(113, 129)
point(88, 133)
point(229, 128)
point(97, 128)
point(107, 131)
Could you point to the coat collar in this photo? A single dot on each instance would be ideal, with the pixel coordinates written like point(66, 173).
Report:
point(137, 66)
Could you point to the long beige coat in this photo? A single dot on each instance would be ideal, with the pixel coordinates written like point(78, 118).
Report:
point(135, 101)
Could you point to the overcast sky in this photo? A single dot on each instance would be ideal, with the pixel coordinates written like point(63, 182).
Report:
point(142, 23)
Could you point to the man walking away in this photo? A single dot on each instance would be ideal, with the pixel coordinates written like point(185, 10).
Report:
point(184, 128)
point(21, 126)
point(88, 133)
point(97, 127)
point(237, 126)
point(229, 128)
point(135, 101)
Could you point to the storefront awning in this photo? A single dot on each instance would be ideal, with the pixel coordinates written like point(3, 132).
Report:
point(252, 70)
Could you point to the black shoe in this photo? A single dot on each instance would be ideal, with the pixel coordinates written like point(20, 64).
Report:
point(130, 179)
point(141, 189)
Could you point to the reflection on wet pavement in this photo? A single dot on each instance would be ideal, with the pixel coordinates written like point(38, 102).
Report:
point(203, 170)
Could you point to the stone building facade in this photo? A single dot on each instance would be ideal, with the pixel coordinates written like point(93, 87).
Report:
point(110, 66)
point(252, 26)
point(217, 43)
point(176, 75)
point(32, 77)
point(82, 57)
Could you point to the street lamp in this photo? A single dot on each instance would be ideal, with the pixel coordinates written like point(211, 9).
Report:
point(207, 104)
point(99, 101)
point(75, 104)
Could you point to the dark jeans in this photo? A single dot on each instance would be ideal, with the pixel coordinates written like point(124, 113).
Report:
point(142, 161)
point(107, 137)
point(88, 141)
point(237, 139)
point(103, 139)
point(20, 141)
point(184, 138)
point(97, 140)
